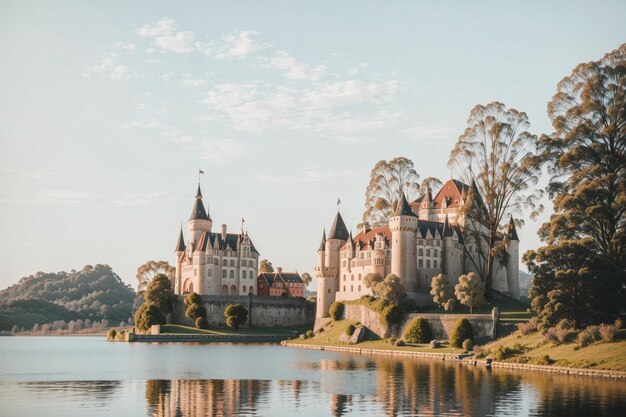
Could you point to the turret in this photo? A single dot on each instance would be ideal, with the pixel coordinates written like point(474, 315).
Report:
point(199, 221)
point(180, 250)
point(448, 249)
point(512, 264)
point(403, 226)
point(425, 205)
point(321, 250)
point(328, 270)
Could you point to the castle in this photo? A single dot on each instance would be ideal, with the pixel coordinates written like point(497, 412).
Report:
point(214, 263)
point(422, 239)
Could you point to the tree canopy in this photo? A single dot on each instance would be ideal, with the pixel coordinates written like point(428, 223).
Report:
point(160, 293)
point(581, 272)
point(388, 180)
point(265, 266)
point(470, 291)
point(497, 155)
point(147, 271)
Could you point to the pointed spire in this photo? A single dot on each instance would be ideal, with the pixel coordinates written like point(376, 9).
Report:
point(447, 230)
point(198, 212)
point(180, 246)
point(338, 230)
point(512, 231)
point(322, 247)
point(403, 208)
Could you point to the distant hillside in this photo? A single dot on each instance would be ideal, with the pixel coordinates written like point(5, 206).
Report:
point(26, 313)
point(95, 292)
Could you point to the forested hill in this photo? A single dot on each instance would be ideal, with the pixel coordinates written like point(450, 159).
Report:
point(95, 292)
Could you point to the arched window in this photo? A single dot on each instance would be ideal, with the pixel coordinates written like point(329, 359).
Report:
point(251, 263)
point(224, 262)
point(434, 264)
point(244, 288)
point(420, 252)
point(232, 262)
point(251, 290)
point(216, 261)
point(231, 274)
point(223, 273)
point(243, 275)
point(224, 289)
point(428, 263)
point(359, 278)
point(352, 277)
point(435, 253)
point(420, 263)
point(344, 277)
point(359, 288)
point(233, 290)
point(427, 252)
point(344, 288)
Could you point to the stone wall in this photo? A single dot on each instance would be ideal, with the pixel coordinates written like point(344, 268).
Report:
point(262, 311)
point(440, 324)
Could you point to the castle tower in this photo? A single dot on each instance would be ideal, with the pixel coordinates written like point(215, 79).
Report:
point(180, 251)
point(327, 272)
point(512, 264)
point(199, 221)
point(403, 226)
point(448, 250)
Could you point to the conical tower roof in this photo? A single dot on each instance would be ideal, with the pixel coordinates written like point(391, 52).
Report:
point(198, 212)
point(322, 247)
point(338, 230)
point(180, 246)
point(512, 230)
point(403, 208)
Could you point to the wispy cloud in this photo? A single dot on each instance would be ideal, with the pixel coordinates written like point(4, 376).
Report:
point(222, 150)
point(309, 175)
point(64, 197)
point(124, 46)
point(109, 67)
point(166, 39)
point(238, 45)
point(294, 69)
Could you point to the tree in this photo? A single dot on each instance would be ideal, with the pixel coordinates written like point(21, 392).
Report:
point(194, 311)
point(441, 290)
point(390, 288)
point(149, 270)
point(265, 266)
point(586, 156)
point(388, 180)
point(430, 184)
point(336, 310)
point(496, 155)
point(470, 291)
point(565, 287)
point(147, 315)
point(306, 278)
point(192, 298)
point(372, 279)
point(160, 293)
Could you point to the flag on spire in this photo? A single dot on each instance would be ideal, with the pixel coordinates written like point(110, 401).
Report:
point(200, 171)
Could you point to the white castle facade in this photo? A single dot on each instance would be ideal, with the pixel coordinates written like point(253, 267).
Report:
point(214, 263)
point(422, 239)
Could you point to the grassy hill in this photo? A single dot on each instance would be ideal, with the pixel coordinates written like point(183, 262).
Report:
point(27, 313)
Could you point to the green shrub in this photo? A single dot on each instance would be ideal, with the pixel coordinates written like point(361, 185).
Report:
point(462, 330)
point(542, 360)
point(147, 315)
point(121, 335)
point(232, 322)
point(390, 315)
point(111, 334)
point(417, 331)
point(608, 332)
point(506, 352)
point(192, 298)
point(391, 340)
point(201, 323)
point(380, 304)
point(528, 327)
point(336, 310)
point(350, 329)
point(195, 311)
point(238, 311)
point(468, 345)
point(309, 334)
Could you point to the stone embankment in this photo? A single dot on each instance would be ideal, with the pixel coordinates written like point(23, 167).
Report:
point(467, 360)
point(205, 338)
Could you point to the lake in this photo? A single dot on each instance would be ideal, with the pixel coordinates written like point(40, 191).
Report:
point(85, 376)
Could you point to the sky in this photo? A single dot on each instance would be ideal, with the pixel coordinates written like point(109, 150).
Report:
point(109, 109)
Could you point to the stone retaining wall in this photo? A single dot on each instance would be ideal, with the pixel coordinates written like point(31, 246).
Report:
point(262, 311)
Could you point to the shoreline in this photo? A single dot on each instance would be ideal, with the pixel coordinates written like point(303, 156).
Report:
point(466, 359)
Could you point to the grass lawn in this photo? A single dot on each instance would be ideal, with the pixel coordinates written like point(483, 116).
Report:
point(330, 337)
point(179, 329)
point(597, 355)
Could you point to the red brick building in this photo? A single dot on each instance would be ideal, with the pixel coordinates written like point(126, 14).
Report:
point(275, 284)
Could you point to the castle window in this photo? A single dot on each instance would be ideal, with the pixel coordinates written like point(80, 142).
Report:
point(359, 288)
point(352, 277)
point(429, 242)
point(428, 263)
point(231, 274)
point(359, 278)
point(434, 264)
point(244, 288)
point(351, 288)
point(244, 275)
point(427, 252)
point(251, 289)
point(420, 242)
point(232, 262)
point(224, 262)
point(216, 261)
point(329, 291)
point(344, 289)
point(223, 273)
point(420, 263)
point(435, 253)
point(420, 252)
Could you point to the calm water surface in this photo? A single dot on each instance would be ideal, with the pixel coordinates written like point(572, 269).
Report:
point(85, 376)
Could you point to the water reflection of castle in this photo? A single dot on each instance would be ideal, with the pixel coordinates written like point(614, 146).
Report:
point(399, 387)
